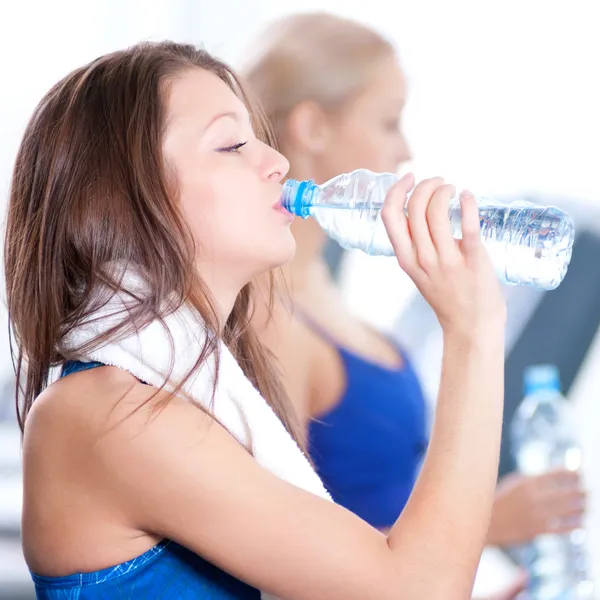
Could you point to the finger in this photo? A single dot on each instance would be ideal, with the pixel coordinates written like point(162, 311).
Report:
point(439, 224)
point(560, 526)
point(471, 232)
point(563, 515)
point(396, 223)
point(564, 503)
point(417, 222)
point(560, 478)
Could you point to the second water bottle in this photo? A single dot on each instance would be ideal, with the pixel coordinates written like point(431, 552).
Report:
point(544, 438)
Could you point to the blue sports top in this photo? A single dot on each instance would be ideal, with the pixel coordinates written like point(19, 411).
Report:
point(368, 448)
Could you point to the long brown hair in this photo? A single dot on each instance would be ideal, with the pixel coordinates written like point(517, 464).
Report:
point(89, 189)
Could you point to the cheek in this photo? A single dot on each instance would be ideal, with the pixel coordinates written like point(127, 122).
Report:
point(228, 210)
point(379, 152)
point(215, 190)
point(233, 222)
point(361, 147)
point(208, 208)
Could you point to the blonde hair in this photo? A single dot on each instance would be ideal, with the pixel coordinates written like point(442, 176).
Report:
point(315, 57)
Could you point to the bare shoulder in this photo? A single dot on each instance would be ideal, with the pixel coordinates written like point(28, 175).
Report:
point(87, 437)
point(94, 404)
point(82, 399)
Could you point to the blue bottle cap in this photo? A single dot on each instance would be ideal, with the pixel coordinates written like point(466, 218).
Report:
point(296, 196)
point(541, 377)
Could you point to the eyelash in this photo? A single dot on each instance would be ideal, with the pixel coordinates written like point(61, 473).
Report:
point(234, 149)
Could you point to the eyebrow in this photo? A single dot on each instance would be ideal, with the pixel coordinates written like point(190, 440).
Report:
point(231, 114)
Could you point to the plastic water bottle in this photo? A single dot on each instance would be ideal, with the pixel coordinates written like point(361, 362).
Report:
point(543, 438)
point(528, 244)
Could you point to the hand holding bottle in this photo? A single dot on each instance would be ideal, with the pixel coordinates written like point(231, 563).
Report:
point(456, 277)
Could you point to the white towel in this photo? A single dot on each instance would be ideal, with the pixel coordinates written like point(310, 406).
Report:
point(237, 404)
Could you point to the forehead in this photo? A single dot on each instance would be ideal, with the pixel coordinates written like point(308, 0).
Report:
point(387, 85)
point(200, 94)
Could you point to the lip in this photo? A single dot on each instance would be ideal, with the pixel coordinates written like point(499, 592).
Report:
point(278, 206)
point(279, 202)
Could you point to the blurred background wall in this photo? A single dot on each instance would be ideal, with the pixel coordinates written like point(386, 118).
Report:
point(503, 97)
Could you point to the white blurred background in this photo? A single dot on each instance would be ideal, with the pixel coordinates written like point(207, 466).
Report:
point(504, 98)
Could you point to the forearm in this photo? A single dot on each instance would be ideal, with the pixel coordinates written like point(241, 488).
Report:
point(449, 509)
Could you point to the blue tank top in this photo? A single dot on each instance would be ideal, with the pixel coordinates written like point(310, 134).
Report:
point(368, 448)
point(167, 571)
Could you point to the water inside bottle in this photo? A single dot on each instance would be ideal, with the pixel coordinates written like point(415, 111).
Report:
point(526, 243)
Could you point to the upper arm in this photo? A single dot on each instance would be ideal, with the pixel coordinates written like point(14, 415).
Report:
point(179, 474)
point(165, 467)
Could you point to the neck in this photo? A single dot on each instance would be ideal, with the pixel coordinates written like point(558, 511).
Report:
point(308, 268)
point(304, 278)
point(223, 292)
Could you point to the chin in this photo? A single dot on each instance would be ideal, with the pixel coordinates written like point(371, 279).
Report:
point(282, 253)
point(271, 258)
point(285, 253)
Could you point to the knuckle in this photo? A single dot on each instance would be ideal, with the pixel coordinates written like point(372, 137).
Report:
point(451, 262)
point(386, 212)
point(448, 189)
point(425, 188)
point(427, 261)
point(405, 263)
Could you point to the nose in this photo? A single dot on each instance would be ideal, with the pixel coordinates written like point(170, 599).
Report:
point(275, 165)
point(404, 153)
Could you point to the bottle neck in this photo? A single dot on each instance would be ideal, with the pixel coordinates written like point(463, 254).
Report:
point(542, 378)
point(542, 389)
point(299, 196)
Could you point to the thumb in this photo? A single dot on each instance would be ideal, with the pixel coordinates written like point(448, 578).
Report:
point(396, 222)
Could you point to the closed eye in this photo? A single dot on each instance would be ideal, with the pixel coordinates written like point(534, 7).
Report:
point(235, 148)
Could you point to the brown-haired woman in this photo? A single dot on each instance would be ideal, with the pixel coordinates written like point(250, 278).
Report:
point(144, 201)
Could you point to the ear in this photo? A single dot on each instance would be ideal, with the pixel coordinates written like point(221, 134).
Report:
point(308, 127)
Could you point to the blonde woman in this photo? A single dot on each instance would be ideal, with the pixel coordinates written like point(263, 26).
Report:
point(334, 90)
